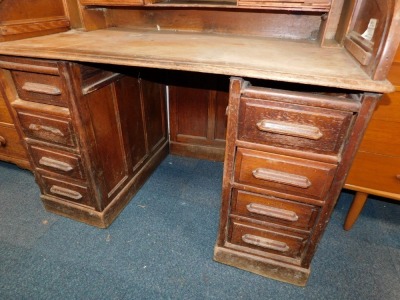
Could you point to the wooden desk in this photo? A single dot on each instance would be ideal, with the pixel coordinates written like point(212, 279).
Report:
point(90, 108)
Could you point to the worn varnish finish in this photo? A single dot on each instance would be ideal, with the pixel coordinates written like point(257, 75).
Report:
point(88, 172)
point(250, 233)
point(93, 118)
point(291, 61)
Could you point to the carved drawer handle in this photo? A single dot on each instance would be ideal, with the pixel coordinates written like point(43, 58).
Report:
point(3, 141)
point(50, 129)
point(282, 177)
point(274, 212)
point(65, 192)
point(41, 88)
point(265, 243)
point(56, 164)
point(297, 130)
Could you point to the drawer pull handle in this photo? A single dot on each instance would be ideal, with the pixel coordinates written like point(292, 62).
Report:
point(65, 192)
point(52, 130)
point(282, 177)
point(56, 164)
point(3, 141)
point(398, 176)
point(265, 243)
point(297, 130)
point(41, 88)
point(274, 212)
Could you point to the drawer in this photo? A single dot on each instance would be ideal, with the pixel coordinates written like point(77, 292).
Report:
point(293, 126)
point(5, 115)
point(42, 88)
point(394, 74)
point(61, 162)
point(382, 137)
point(264, 239)
point(284, 174)
point(66, 190)
point(377, 172)
point(10, 143)
point(274, 210)
point(388, 108)
point(47, 128)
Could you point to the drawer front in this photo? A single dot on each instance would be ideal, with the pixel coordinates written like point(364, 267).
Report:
point(5, 116)
point(293, 126)
point(274, 210)
point(61, 162)
point(382, 137)
point(283, 173)
point(47, 128)
point(43, 88)
point(10, 144)
point(388, 108)
point(374, 171)
point(66, 190)
point(268, 240)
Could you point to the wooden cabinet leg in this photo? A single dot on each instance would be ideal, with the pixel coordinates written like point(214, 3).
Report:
point(355, 209)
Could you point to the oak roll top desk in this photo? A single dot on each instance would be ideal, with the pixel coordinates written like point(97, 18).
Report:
point(89, 105)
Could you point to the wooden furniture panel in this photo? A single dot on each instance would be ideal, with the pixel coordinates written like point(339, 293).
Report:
point(47, 128)
point(55, 160)
point(11, 149)
point(377, 172)
point(274, 210)
point(65, 190)
point(376, 167)
point(198, 116)
point(293, 126)
point(40, 88)
point(266, 240)
point(282, 173)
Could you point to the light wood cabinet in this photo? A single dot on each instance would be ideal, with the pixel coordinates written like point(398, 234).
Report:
point(376, 167)
point(11, 149)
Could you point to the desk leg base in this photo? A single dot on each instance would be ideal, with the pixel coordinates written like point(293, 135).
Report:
point(104, 218)
point(262, 266)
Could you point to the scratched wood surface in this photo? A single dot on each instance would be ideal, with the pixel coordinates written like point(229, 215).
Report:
point(273, 59)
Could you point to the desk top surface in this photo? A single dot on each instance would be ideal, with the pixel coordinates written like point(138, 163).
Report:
point(272, 59)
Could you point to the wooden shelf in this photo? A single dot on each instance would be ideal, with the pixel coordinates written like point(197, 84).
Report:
point(264, 58)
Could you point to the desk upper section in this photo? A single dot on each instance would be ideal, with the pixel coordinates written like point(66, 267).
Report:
point(265, 58)
point(346, 44)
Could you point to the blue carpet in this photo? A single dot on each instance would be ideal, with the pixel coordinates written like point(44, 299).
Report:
point(161, 246)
